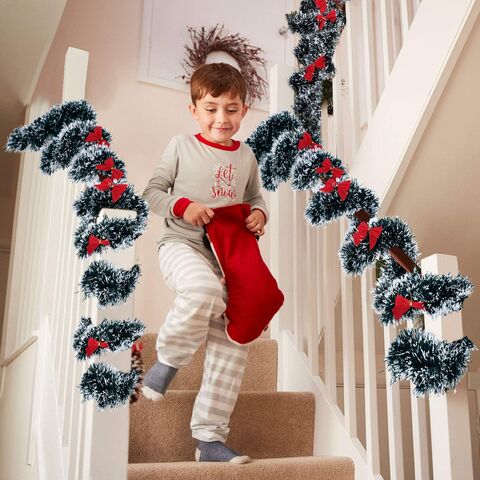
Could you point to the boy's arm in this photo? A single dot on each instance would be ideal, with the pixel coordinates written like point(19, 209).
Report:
point(155, 193)
point(252, 191)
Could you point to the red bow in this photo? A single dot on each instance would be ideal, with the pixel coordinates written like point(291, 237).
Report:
point(94, 243)
point(322, 20)
point(342, 187)
point(402, 305)
point(96, 136)
point(327, 167)
point(109, 166)
point(94, 345)
point(321, 5)
point(362, 232)
point(318, 63)
point(117, 188)
point(306, 141)
point(137, 347)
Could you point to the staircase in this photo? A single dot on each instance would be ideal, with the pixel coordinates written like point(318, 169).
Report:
point(276, 429)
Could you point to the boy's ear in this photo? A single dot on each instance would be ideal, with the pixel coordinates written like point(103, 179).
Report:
point(245, 109)
point(193, 110)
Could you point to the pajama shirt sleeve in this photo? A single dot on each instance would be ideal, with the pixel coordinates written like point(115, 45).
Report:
point(156, 192)
point(253, 195)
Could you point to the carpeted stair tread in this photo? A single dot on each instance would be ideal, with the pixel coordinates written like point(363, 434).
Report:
point(260, 371)
point(305, 468)
point(262, 425)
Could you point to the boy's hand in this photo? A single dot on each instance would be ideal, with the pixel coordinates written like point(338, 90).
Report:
point(255, 222)
point(198, 214)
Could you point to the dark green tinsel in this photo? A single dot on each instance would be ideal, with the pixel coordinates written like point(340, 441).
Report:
point(82, 167)
point(120, 335)
point(34, 135)
point(277, 164)
point(109, 386)
point(267, 132)
point(120, 232)
point(61, 151)
point(441, 294)
point(433, 366)
point(111, 285)
point(355, 258)
point(326, 207)
point(307, 107)
point(304, 176)
point(91, 201)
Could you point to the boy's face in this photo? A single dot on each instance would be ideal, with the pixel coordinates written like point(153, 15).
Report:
point(219, 117)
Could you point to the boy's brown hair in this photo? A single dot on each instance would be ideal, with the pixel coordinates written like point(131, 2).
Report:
point(216, 79)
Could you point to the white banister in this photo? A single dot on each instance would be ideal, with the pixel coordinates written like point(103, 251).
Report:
point(449, 417)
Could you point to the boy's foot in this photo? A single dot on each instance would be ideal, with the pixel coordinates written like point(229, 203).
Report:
point(157, 379)
point(218, 452)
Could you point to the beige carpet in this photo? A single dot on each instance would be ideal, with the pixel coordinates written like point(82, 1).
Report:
point(275, 429)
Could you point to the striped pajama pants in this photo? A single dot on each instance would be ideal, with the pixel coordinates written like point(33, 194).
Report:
point(196, 317)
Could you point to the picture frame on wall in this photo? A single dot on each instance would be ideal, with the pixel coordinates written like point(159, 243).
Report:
point(163, 39)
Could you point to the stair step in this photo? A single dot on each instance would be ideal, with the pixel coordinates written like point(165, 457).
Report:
point(260, 372)
point(262, 425)
point(312, 468)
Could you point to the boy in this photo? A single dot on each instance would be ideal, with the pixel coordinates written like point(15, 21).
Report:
point(205, 171)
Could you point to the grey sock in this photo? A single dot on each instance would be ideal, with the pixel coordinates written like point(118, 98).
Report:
point(159, 377)
point(219, 452)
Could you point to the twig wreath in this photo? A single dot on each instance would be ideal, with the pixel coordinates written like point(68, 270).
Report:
point(204, 42)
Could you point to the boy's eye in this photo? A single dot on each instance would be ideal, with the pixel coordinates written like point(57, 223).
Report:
point(229, 111)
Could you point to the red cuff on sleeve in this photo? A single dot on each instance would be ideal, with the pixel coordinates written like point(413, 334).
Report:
point(181, 205)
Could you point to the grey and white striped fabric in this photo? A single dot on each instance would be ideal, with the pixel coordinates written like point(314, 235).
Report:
point(198, 316)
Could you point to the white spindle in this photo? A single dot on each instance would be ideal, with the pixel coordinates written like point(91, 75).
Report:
point(353, 70)
point(24, 253)
point(63, 240)
point(350, 394)
point(31, 284)
point(281, 208)
point(449, 417)
point(369, 56)
point(299, 264)
point(367, 281)
point(395, 446)
point(40, 261)
point(387, 37)
point(329, 245)
point(406, 17)
point(419, 431)
point(312, 300)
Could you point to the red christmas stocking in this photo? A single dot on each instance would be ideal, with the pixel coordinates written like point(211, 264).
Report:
point(253, 294)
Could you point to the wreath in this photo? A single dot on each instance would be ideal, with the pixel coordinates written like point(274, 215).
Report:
point(204, 42)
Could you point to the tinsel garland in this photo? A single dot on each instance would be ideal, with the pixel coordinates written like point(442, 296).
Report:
point(118, 335)
point(288, 147)
point(84, 163)
point(68, 137)
point(107, 385)
point(395, 232)
point(109, 284)
point(433, 366)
